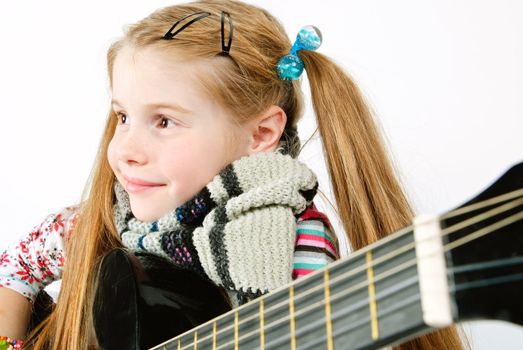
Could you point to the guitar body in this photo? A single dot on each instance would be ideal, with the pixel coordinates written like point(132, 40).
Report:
point(143, 300)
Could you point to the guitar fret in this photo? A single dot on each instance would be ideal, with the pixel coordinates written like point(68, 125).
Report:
point(372, 297)
point(328, 321)
point(306, 311)
point(225, 331)
point(214, 335)
point(196, 340)
point(262, 332)
point(291, 315)
point(248, 326)
point(236, 330)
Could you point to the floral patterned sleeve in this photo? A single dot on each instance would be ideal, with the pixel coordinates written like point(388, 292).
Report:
point(38, 259)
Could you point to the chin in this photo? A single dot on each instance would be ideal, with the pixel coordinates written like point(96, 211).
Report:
point(150, 209)
point(146, 217)
point(146, 214)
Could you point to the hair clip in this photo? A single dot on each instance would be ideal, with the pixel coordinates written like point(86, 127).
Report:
point(290, 66)
point(225, 49)
point(169, 35)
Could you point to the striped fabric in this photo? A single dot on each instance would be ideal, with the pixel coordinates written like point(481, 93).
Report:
point(316, 244)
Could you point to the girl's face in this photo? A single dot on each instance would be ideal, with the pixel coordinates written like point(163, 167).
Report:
point(171, 139)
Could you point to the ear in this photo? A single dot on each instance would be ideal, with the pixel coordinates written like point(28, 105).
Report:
point(266, 130)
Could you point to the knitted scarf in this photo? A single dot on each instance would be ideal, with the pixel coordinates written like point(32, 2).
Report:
point(239, 230)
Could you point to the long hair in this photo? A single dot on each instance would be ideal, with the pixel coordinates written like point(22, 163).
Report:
point(370, 200)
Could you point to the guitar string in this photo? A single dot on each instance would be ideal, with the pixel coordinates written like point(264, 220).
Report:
point(486, 265)
point(398, 234)
point(388, 256)
point(482, 204)
point(362, 285)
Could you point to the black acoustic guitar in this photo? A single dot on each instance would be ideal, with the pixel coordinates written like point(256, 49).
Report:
point(466, 264)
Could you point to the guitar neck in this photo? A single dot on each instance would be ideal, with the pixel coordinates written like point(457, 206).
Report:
point(367, 300)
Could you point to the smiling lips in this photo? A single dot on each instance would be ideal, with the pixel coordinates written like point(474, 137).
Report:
point(135, 185)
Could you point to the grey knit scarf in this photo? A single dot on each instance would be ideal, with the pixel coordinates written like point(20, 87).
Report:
point(239, 230)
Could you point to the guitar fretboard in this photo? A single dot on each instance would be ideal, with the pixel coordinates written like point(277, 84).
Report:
point(362, 301)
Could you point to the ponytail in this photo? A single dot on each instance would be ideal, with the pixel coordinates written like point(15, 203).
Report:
point(370, 200)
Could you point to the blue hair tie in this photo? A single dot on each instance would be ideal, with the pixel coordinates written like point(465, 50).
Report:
point(291, 66)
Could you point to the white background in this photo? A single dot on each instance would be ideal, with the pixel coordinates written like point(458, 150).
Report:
point(444, 78)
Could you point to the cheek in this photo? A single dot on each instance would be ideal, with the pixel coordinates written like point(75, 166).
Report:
point(111, 154)
point(194, 167)
point(181, 167)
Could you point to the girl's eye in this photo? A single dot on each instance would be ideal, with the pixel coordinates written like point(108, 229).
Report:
point(166, 122)
point(122, 118)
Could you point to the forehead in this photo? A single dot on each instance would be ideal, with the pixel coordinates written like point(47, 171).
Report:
point(147, 75)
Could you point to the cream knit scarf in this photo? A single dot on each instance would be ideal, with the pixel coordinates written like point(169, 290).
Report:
point(239, 230)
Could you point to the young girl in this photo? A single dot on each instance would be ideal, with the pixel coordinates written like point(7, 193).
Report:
point(198, 164)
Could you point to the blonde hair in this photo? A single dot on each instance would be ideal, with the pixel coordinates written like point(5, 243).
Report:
point(370, 200)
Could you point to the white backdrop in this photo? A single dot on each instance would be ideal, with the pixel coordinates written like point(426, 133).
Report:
point(444, 78)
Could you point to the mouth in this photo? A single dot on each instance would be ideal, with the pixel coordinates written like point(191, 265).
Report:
point(135, 185)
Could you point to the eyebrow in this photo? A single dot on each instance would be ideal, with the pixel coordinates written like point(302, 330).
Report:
point(173, 106)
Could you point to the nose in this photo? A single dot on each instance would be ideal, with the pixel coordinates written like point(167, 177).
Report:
point(131, 147)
